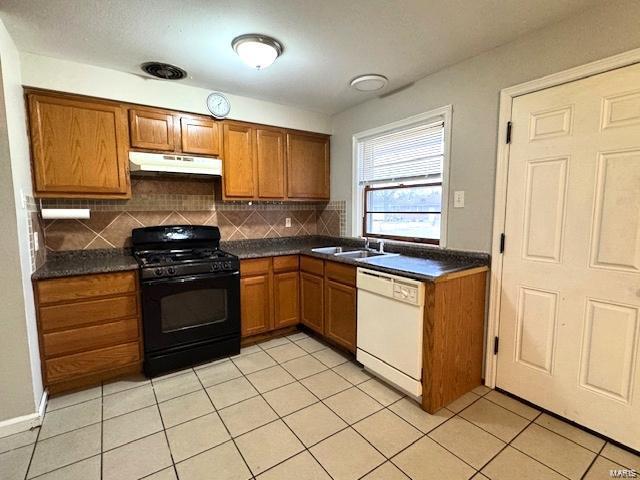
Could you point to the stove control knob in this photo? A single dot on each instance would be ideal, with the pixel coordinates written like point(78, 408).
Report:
point(216, 267)
point(227, 265)
point(171, 271)
point(158, 272)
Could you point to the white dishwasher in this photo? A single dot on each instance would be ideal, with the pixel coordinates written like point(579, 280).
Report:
point(389, 337)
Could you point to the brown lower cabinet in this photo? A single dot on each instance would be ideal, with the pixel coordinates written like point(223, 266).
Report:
point(89, 328)
point(269, 294)
point(320, 295)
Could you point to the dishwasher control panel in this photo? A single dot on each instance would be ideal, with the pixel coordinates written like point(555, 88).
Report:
point(406, 293)
point(400, 289)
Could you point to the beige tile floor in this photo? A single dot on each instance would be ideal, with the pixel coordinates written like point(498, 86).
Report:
point(292, 408)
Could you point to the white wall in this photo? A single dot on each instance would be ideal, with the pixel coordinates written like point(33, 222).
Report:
point(20, 379)
point(472, 87)
point(66, 76)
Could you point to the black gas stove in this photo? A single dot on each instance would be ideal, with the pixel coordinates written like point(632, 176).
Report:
point(190, 296)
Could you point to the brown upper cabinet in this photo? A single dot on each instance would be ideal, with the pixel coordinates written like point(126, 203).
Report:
point(273, 163)
point(238, 161)
point(152, 129)
point(307, 166)
point(79, 147)
point(168, 131)
point(270, 165)
point(200, 136)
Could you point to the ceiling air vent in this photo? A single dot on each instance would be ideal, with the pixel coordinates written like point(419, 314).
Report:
point(164, 71)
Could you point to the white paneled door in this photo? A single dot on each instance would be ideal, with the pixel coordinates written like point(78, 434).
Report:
point(570, 305)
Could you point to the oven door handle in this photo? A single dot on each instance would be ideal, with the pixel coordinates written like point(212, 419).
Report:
point(190, 278)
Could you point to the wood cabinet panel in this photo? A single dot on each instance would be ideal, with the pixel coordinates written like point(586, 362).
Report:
point(89, 338)
point(200, 136)
point(255, 266)
point(86, 286)
point(286, 293)
point(285, 263)
point(453, 338)
point(312, 301)
point(270, 162)
point(152, 129)
point(238, 161)
point(79, 147)
point(255, 304)
point(340, 272)
point(56, 317)
point(307, 166)
point(70, 367)
point(312, 265)
point(340, 314)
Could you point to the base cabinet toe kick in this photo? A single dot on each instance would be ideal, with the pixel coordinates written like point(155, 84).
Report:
point(424, 338)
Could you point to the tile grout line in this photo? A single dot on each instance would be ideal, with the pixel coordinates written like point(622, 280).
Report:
point(593, 461)
point(164, 430)
point(231, 438)
point(33, 452)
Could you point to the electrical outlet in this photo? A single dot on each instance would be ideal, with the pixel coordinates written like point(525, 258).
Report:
point(287, 222)
point(458, 199)
point(36, 241)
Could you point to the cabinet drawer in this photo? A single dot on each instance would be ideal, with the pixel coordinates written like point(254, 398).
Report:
point(341, 273)
point(70, 315)
point(285, 263)
point(95, 336)
point(85, 286)
point(255, 266)
point(94, 361)
point(312, 265)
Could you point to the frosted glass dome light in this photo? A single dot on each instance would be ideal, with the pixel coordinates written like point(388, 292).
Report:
point(257, 51)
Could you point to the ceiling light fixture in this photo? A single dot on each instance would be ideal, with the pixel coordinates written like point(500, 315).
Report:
point(257, 51)
point(370, 82)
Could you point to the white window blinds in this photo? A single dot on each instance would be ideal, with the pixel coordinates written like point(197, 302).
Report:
point(412, 153)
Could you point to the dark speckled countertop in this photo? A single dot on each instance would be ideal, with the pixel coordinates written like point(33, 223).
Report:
point(85, 262)
point(418, 262)
point(422, 263)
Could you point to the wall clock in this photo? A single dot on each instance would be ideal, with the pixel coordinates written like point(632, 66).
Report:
point(218, 105)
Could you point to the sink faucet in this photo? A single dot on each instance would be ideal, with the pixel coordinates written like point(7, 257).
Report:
point(366, 243)
point(381, 246)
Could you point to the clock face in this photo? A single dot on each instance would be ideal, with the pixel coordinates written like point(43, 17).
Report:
point(218, 105)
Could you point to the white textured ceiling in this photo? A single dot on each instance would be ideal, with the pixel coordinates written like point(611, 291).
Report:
point(326, 42)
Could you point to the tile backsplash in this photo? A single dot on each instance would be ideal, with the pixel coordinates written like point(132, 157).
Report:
point(165, 201)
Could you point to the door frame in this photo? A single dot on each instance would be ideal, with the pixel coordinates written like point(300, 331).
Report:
point(502, 166)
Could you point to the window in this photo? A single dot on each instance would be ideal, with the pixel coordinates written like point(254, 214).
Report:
point(401, 180)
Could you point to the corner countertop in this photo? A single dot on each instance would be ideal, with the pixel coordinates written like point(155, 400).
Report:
point(420, 263)
point(85, 262)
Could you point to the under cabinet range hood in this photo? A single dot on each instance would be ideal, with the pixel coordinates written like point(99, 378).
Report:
point(142, 162)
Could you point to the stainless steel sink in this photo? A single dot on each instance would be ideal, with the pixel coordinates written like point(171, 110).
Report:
point(362, 254)
point(328, 250)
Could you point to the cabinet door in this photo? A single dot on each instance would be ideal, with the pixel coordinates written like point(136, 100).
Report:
point(340, 314)
point(270, 163)
point(238, 161)
point(152, 129)
point(255, 305)
point(79, 147)
point(200, 136)
point(312, 301)
point(286, 293)
point(307, 166)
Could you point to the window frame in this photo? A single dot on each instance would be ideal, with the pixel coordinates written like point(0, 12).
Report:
point(396, 186)
point(358, 191)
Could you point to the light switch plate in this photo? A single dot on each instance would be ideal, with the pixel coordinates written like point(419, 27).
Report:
point(287, 222)
point(458, 199)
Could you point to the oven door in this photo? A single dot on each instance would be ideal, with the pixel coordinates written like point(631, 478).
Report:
point(183, 310)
